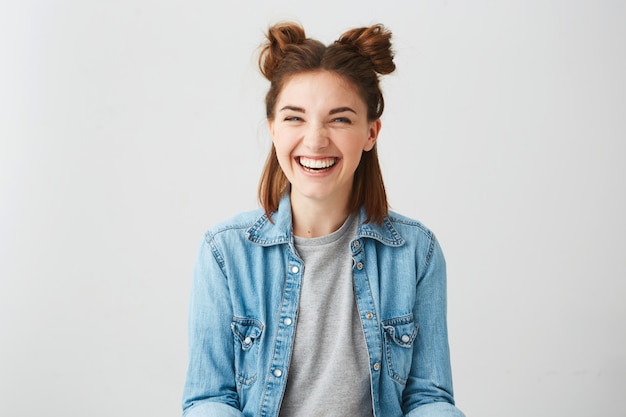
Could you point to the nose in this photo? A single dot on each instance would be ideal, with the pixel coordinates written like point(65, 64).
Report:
point(316, 137)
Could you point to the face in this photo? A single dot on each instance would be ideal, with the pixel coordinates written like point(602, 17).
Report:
point(319, 130)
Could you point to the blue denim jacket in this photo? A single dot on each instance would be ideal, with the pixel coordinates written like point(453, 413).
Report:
point(243, 316)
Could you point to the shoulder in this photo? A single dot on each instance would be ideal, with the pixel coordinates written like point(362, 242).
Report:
point(238, 223)
point(409, 226)
point(417, 236)
point(396, 230)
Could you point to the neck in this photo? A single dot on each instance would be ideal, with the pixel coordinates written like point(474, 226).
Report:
point(316, 219)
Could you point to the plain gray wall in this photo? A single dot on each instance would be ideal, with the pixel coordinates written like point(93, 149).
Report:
point(129, 127)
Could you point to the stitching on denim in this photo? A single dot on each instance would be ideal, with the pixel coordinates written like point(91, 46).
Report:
point(210, 240)
point(431, 248)
point(244, 380)
point(407, 318)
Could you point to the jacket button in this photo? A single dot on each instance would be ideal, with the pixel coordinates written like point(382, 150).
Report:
point(295, 269)
point(287, 321)
point(278, 373)
point(369, 315)
point(359, 266)
point(376, 366)
point(247, 340)
point(405, 338)
point(356, 244)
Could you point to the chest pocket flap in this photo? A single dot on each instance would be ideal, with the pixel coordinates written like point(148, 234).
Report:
point(246, 331)
point(401, 330)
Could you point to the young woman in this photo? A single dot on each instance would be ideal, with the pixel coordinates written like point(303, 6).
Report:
point(324, 303)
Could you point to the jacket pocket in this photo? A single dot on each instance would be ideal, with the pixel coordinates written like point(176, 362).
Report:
point(247, 334)
point(400, 333)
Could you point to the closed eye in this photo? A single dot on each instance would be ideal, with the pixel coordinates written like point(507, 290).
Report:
point(342, 120)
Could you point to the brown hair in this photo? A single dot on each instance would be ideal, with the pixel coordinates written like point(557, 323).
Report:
point(359, 56)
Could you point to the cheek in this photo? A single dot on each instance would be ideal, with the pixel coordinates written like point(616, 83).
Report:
point(282, 154)
point(356, 146)
point(281, 150)
point(282, 143)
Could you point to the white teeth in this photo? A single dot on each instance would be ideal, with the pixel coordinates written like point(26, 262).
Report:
point(317, 163)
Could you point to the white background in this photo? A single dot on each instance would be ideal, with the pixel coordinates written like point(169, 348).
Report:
point(129, 127)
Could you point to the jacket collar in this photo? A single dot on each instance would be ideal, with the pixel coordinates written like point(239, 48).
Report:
point(267, 233)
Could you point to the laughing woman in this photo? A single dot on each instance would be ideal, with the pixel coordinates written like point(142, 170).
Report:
point(323, 303)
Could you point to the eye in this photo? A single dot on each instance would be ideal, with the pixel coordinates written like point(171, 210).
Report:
point(293, 119)
point(343, 120)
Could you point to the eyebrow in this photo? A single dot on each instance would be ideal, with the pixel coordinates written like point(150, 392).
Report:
point(333, 111)
point(341, 110)
point(293, 108)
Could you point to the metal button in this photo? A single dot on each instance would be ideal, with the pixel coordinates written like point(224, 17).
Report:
point(287, 321)
point(295, 269)
point(357, 244)
point(247, 340)
point(405, 338)
point(376, 366)
point(278, 373)
point(359, 266)
point(369, 315)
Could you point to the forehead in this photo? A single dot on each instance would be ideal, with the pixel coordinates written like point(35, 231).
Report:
point(319, 88)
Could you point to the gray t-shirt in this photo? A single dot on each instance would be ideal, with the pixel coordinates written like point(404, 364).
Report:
point(329, 371)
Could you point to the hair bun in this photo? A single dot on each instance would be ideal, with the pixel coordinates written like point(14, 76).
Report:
point(374, 43)
point(279, 38)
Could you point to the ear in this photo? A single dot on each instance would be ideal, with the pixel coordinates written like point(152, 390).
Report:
point(373, 131)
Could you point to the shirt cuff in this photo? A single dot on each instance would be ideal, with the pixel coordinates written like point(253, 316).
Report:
point(212, 409)
point(438, 409)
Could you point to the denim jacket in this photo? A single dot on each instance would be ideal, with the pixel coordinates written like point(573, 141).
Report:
point(244, 305)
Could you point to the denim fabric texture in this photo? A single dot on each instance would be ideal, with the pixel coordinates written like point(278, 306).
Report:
point(243, 317)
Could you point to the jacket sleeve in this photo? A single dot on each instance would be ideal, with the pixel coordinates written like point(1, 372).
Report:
point(210, 387)
point(428, 392)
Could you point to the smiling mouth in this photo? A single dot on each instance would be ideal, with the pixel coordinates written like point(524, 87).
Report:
point(316, 165)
